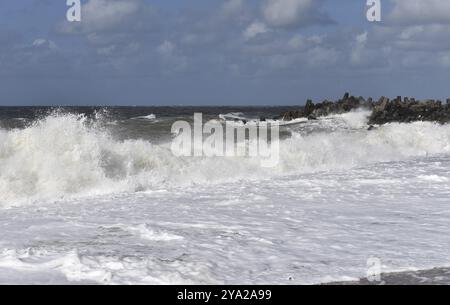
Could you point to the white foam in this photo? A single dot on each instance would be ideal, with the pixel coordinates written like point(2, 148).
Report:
point(433, 178)
point(150, 234)
point(233, 116)
point(300, 229)
point(69, 264)
point(66, 156)
point(101, 269)
point(146, 117)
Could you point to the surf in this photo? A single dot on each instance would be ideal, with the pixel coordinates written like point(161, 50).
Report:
point(63, 155)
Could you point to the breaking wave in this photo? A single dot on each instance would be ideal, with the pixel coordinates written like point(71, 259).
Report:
point(65, 155)
point(149, 117)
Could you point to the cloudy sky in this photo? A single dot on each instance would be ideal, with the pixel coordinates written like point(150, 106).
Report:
point(209, 52)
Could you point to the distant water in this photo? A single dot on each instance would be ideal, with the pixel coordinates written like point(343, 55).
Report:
point(149, 123)
point(94, 195)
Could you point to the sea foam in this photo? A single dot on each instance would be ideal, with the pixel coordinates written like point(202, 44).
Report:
point(65, 155)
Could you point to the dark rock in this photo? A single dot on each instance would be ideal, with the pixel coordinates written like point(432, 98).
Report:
point(292, 115)
point(371, 127)
point(309, 108)
point(384, 111)
point(407, 111)
point(346, 104)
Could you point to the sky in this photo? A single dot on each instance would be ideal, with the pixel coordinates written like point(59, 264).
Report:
point(221, 52)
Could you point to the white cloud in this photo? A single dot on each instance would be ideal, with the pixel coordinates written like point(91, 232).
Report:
point(39, 42)
point(411, 32)
point(316, 39)
point(359, 48)
point(444, 59)
point(283, 13)
point(232, 7)
point(282, 61)
point(431, 37)
point(106, 51)
point(104, 14)
point(107, 15)
point(322, 57)
point(172, 60)
point(166, 48)
point(420, 11)
point(297, 42)
point(44, 43)
point(300, 42)
point(255, 29)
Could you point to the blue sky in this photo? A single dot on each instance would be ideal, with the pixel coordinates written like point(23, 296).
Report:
point(228, 52)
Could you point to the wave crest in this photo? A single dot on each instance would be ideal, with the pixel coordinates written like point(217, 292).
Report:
point(66, 155)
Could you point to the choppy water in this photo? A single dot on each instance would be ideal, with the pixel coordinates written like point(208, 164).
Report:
point(149, 123)
point(99, 198)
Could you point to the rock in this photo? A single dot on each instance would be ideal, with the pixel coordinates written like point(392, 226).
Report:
point(309, 108)
point(292, 115)
point(407, 111)
point(382, 104)
point(384, 111)
point(313, 111)
point(371, 127)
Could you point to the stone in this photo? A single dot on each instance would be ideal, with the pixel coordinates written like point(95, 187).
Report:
point(384, 111)
point(309, 108)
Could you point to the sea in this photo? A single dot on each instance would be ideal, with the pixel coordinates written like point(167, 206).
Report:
point(94, 195)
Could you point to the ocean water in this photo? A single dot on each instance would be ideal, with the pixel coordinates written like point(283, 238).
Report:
point(94, 195)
